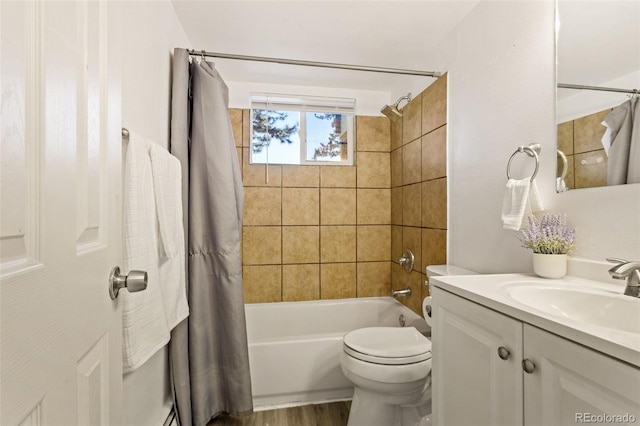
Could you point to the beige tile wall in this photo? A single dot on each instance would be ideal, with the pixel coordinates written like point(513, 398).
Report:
point(318, 232)
point(419, 189)
point(580, 140)
point(331, 232)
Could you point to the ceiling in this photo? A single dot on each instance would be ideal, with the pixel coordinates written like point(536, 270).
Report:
point(394, 34)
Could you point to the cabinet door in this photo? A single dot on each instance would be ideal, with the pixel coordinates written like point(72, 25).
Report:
point(472, 385)
point(573, 384)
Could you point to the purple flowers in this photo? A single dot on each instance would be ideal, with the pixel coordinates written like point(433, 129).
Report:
point(549, 235)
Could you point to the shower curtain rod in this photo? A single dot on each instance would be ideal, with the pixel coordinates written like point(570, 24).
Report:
point(434, 74)
point(603, 89)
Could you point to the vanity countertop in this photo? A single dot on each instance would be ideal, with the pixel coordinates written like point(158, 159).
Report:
point(492, 291)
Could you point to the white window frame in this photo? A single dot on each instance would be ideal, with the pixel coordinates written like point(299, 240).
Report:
point(306, 104)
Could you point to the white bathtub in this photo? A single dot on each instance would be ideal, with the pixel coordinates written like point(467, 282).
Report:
point(294, 347)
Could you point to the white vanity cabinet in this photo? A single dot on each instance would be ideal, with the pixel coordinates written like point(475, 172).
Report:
point(478, 376)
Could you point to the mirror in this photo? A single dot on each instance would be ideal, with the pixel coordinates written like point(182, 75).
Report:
point(597, 45)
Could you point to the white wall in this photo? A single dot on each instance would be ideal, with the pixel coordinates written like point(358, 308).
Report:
point(501, 95)
point(151, 31)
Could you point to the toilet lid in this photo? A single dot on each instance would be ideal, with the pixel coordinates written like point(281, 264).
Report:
point(388, 345)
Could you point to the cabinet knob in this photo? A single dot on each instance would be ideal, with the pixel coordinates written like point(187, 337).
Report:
point(504, 353)
point(528, 366)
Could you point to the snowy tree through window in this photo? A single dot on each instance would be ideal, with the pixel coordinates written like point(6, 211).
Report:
point(301, 130)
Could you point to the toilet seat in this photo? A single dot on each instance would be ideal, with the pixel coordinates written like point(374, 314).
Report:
point(387, 345)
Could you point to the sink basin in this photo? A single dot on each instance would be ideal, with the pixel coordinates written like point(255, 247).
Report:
point(592, 306)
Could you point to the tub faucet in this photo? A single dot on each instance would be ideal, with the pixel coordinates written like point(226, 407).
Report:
point(404, 292)
point(630, 271)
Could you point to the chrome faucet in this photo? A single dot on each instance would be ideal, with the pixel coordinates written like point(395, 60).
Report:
point(404, 292)
point(629, 271)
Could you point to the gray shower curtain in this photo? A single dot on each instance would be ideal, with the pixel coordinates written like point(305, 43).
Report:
point(623, 165)
point(208, 351)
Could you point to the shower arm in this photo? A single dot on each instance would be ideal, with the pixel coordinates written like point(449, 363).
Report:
point(405, 97)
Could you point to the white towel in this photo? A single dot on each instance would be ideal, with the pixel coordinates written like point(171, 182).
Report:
point(520, 196)
point(607, 138)
point(144, 323)
point(535, 201)
point(514, 202)
point(167, 175)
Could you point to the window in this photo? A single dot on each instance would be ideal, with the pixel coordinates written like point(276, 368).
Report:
point(301, 130)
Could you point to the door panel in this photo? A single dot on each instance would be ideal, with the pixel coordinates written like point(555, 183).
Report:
point(90, 143)
point(60, 217)
point(570, 381)
point(472, 385)
point(20, 126)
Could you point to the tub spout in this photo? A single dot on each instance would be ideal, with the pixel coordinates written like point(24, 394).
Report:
point(404, 292)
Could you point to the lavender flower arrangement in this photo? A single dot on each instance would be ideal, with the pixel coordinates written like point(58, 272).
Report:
point(549, 235)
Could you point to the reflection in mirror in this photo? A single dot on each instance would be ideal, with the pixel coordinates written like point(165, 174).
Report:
point(598, 76)
point(563, 169)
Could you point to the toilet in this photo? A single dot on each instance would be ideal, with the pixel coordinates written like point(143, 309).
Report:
point(390, 368)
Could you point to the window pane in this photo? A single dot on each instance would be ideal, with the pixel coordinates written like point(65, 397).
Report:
point(327, 137)
point(291, 129)
point(275, 137)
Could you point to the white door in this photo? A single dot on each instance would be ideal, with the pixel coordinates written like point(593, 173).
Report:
point(60, 232)
point(477, 378)
point(571, 384)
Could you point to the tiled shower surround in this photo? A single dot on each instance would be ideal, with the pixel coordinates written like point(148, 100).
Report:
point(580, 140)
point(332, 232)
point(419, 189)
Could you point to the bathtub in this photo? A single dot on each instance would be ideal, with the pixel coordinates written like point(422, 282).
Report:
point(294, 347)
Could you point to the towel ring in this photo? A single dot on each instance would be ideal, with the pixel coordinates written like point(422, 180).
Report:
point(564, 164)
point(531, 153)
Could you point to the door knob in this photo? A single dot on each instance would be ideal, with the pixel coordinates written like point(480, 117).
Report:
point(134, 281)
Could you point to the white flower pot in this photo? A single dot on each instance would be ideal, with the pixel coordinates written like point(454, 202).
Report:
point(550, 265)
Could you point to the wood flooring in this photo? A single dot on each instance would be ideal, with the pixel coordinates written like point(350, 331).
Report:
point(329, 414)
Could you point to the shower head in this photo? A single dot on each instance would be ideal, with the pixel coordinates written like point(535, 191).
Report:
point(392, 111)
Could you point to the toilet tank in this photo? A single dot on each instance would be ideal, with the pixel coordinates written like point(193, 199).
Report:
point(440, 270)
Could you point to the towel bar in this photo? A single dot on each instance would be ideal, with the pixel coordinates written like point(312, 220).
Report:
point(532, 151)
